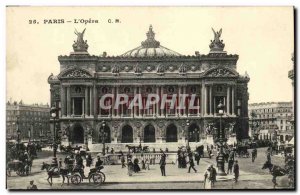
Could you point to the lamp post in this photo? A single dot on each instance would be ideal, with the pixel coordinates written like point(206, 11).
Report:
point(18, 136)
point(188, 133)
point(221, 140)
point(53, 113)
point(103, 136)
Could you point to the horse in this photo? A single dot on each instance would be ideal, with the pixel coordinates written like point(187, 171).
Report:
point(55, 172)
point(275, 171)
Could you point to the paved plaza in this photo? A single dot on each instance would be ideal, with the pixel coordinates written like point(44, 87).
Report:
point(251, 176)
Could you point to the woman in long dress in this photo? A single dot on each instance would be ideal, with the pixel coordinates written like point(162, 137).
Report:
point(207, 176)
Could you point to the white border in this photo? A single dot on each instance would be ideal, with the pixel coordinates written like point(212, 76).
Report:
point(3, 4)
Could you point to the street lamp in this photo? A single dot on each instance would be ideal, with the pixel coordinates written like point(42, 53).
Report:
point(18, 136)
point(188, 134)
point(103, 135)
point(53, 114)
point(221, 140)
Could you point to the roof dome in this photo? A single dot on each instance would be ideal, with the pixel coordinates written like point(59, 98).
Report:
point(150, 48)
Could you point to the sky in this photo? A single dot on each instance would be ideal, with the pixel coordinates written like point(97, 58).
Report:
point(263, 37)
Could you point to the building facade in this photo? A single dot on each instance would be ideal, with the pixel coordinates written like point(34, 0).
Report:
point(272, 120)
point(148, 69)
point(31, 120)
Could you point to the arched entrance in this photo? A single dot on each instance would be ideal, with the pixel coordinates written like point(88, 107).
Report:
point(106, 133)
point(171, 133)
point(193, 133)
point(78, 134)
point(127, 134)
point(149, 134)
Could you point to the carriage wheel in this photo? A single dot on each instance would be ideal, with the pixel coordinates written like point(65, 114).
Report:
point(76, 179)
point(97, 178)
point(102, 175)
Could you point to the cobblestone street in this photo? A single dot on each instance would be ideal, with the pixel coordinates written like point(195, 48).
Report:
point(251, 176)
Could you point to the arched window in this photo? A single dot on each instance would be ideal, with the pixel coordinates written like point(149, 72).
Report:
point(193, 133)
point(149, 134)
point(107, 137)
point(127, 134)
point(78, 134)
point(171, 133)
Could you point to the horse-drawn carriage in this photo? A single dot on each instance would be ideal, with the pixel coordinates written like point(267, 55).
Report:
point(21, 168)
point(74, 173)
point(242, 151)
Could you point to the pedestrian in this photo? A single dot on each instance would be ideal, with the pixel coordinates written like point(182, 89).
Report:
point(254, 154)
point(209, 153)
point(136, 167)
point(123, 161)
point(112, 151)
point(107, 148)
point(147, 164)
point(197, 158)
point(236, 170)
point(89, 160)
point(207, 181)
point(269, 157)
point(143, 164)
point(130, 167)
point(99, 162)
point(162, 165)
point(213, 175)
point(60, 163)
point(153, 160)
point(192, 164)
point(230, 165)
point(32, 186)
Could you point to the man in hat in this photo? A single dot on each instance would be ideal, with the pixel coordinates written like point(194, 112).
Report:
point(236, 171)
point(99, 162)
point(31, 186)
point(213, 175)
point(130, 167)
point(162, 164)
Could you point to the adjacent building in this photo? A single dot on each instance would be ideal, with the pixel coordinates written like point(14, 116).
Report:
point(271, 120)
point(31, 120)
point(149, 68)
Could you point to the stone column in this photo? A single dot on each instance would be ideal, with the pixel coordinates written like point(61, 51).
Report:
point(215, 104)
point(198, 109)
point(63, 101)
point(179, 99)
point(86, 105)
point(233, 99)
point(73, 107)
point(117, 91)
point(135, 107)
point(162, 92)
point(228, 100)
point(95, 100)
point(157, 104)
point(202, 99)
point(184, 92)
point(205, 100)
point(113, 101)
point(210, 100)
point(91, 102)
point(69, 102)
point(83, 109)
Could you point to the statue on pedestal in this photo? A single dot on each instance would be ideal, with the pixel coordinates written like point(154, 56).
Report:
point(80, 45)
point(217, 44)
